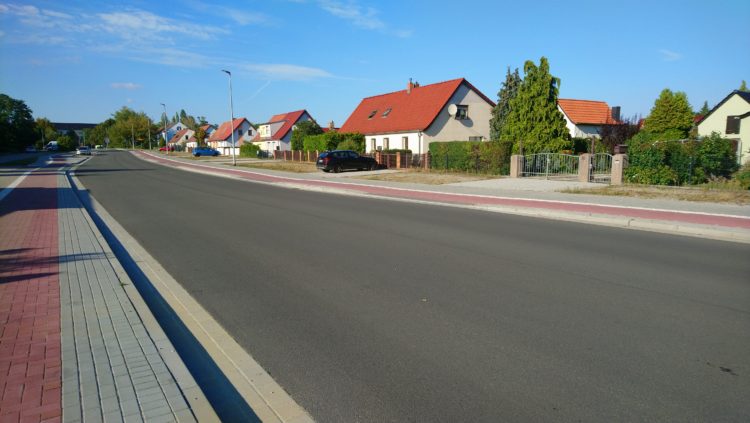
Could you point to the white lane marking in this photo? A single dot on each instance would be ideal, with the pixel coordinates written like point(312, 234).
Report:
point(4, 193)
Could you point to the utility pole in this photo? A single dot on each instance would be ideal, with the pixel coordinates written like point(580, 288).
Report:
point(231, 119)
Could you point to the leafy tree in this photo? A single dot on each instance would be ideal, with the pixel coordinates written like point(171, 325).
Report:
point(98, 134)
point(45, 131)
point(303, 129)
point(743, 86)
point(617, 133)
point(533, 118)
point(66, 142)
point(128, 126)
point(671, 112)
point(200, 135)
point(17, 127)
point(508, 92)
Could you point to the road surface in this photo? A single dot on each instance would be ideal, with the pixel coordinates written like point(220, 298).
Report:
point(374, 310)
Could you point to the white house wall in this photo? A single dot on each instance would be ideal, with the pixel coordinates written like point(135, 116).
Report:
point(580, 131)
point(395, 142)
point(717, 122)
point(447, 128)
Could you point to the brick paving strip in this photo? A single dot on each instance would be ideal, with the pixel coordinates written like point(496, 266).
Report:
point(74, 347)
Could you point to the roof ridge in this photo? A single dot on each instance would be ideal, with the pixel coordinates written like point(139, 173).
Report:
point(421, 86)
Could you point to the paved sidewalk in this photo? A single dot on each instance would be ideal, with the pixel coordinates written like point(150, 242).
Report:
point(77, 345)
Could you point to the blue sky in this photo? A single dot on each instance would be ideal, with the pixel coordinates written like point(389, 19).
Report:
point(80, 61)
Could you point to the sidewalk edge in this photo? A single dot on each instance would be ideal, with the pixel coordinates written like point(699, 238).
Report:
point(199, 405)
point(263, 394)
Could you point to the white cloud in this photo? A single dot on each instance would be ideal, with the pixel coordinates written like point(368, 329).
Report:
point(670, 56)
point(241, 17)
point(125, 85)
point(280, 71)
point(364, 17)
point(139, 24)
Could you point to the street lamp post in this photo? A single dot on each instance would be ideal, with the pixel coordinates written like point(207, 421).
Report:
point(165, 128)
point(231, 118)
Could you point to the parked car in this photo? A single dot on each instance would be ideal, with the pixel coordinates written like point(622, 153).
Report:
point(83, 151)
point(168, 148)
point(52, 146)
point(339, 160)
point(205, 151)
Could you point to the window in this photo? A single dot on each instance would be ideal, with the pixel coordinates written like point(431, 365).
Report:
point(733, 125)
point(385, 143)
point(405, 143)
point(372, 144)
point(387, 112)
point(462, 112)
point(479, 138)
point(373, 113)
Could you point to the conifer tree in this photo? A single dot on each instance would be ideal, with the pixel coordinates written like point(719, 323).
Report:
point(534, 121)
point(507, 92)
point(743, 86)
point(671, 113)
point(704, 110)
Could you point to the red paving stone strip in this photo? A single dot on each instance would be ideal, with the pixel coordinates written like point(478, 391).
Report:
point(479, 200)
point(30, 359)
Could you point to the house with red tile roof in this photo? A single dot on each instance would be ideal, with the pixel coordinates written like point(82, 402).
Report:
point(276, 134)
point(221, 138)
point(413, 118)
point(584, 118)
point(181, 137)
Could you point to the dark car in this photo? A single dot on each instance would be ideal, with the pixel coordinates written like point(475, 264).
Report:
point(339, 160)
point(204, 151)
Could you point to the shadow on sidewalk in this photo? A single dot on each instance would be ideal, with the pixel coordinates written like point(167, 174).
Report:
point(224, 398)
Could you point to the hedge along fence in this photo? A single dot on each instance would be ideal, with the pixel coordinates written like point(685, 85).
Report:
point(472, 156)
point(335, 141)
point(249, 150)
point(679, 162)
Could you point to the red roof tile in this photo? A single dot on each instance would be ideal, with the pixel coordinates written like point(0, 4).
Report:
point(586, 111)
point(224, 132)
point(413, 111)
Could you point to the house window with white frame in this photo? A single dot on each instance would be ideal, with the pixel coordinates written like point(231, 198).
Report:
point(373, 144)
point(385, 144)
point(404, 143)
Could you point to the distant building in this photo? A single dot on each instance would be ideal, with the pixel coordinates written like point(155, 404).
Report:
point(585, 118)
point(62, 128)
point(276, 134)
point(731, 119)
point(413, 118)
point(221, 138)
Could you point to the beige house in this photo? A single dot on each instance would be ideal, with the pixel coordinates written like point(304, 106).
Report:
point(413, 118)
point(731, 119)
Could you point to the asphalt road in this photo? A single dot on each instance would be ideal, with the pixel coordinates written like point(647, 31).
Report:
point(375, 310)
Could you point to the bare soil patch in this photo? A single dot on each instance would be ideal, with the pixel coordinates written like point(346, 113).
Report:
point(296, 167)
point(703, 194)
point(427, 178)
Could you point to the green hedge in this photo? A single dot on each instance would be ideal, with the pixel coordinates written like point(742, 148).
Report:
point(678, 162)
point(333, 141)
point(475, 156)
point(249, 150)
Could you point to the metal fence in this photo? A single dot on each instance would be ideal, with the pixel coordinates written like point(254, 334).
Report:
point(551, 166)
point(601, 168)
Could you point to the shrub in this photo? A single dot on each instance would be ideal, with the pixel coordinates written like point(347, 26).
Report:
point(333, 140)
point(249, 150)
point(491, 157)
point(660, 175)
point(396, 150)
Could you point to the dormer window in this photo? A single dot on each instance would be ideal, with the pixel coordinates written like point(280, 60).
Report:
point(374, 112)
point(387, 112)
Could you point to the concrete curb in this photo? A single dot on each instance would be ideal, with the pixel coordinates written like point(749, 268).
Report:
point(198, 403)
point(264, 395)
point(623, 222)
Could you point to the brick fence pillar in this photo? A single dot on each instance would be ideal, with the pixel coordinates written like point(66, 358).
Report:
point(619, 164)
point(516, 166)
point(584, 167)
point(426, 160)
point(398, 160)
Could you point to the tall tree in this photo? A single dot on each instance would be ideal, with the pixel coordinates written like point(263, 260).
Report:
point(128, 128)
point(507, 92)
point(45, 131)
point(743, 86)
point(16, 124)
point(704, 110)
point(200, 135)
point(534, 121)
point(303, 129)
point(671, 114)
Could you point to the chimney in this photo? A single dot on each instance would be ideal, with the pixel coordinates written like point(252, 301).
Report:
point(409, 86)
point(616, 113)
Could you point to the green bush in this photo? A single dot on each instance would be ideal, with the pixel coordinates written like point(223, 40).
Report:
point(490, 157)
point(660, 175)
point(396, 150)
point(249, 150)
point(716, 156)
point(333, 141)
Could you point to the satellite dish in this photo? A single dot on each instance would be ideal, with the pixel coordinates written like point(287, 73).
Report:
point(452, 109)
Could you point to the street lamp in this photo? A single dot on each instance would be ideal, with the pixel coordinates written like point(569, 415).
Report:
point(231, 118)
point(166, 147)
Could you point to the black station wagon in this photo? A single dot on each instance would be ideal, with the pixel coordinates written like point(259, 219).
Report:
point(339, 160)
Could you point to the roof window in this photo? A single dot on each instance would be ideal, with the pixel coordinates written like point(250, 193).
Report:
point(387, 112)
point(374, 112)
